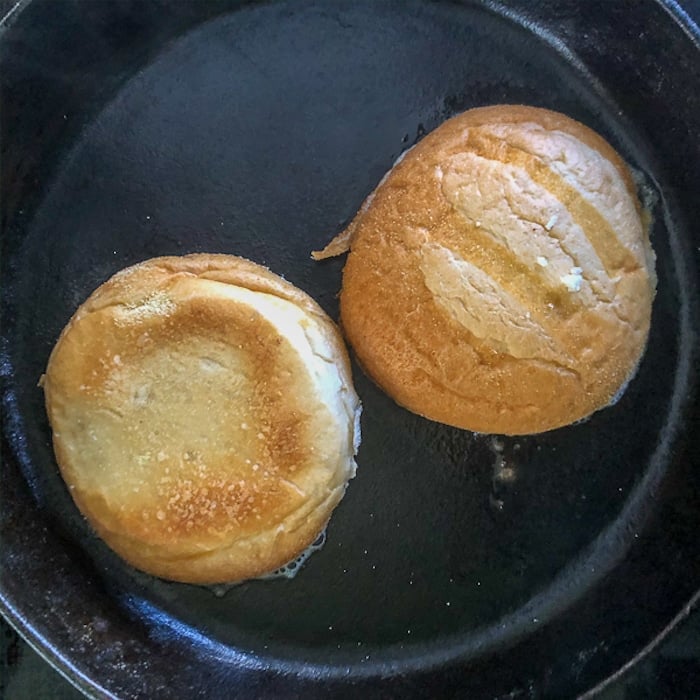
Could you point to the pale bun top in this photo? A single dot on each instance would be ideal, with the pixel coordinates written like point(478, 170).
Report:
point(500, 277)
point(203, 417)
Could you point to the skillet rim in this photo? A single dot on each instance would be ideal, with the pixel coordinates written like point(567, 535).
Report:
point(70, 671)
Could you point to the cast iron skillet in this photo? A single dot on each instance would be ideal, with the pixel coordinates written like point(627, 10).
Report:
point(134, 129)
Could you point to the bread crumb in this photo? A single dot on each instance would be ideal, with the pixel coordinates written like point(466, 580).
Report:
point(542, 261)
point(143, 340)
point(157, 304)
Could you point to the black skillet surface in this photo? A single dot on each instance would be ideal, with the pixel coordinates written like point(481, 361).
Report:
point(137, 129)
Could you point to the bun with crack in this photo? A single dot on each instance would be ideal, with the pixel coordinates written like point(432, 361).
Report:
point(203, 417)
point(500, 277)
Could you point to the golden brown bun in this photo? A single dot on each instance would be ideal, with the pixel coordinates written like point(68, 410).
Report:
point(500, 277)
point(203, 417)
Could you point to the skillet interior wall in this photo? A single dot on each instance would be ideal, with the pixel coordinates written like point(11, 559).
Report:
point(26, 178)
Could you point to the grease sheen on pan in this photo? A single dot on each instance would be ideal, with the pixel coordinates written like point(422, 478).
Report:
point(500, 277)
point(203, 417)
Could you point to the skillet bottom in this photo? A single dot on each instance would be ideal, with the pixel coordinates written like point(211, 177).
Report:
point(259, 134)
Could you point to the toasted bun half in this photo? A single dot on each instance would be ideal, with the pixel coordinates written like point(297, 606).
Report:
point(500, 278)
point(203, 417)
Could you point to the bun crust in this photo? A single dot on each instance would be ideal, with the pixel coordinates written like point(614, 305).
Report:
point(203, 417)
point(500, 277)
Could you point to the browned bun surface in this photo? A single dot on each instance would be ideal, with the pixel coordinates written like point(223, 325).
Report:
point(203, 417)
point(500, 278)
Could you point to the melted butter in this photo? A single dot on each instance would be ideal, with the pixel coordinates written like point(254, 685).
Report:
point(288, 571)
